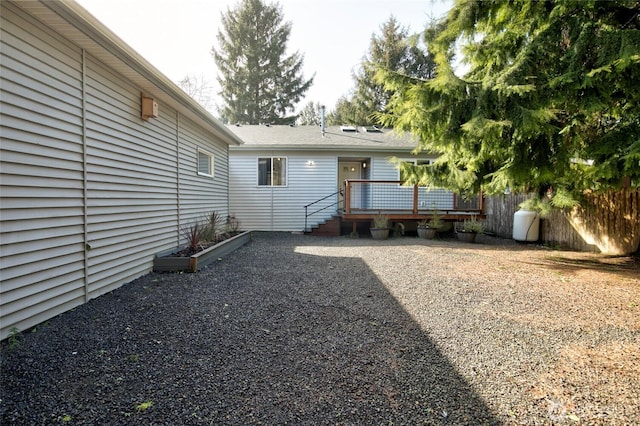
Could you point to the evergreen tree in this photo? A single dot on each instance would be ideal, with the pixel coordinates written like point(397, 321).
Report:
point(346, 112)
point(551, 101)
point(310, 115)
point(392, 50)
point(260, 83)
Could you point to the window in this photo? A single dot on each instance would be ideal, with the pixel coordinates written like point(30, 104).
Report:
point(420, 162)
point(205, 163)
point(272, 171)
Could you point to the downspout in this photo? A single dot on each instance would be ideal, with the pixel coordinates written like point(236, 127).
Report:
point(178, 206)
point(228, 186)
point(85, 214)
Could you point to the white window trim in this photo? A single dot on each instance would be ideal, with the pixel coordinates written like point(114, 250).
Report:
point(286, 171)
point(211, 162)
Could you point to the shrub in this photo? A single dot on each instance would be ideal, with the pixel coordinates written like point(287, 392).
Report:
point(380, 221)
point(472, 225)
point(194, 234)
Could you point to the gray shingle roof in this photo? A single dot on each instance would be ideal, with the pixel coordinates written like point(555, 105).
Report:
point(310, 137)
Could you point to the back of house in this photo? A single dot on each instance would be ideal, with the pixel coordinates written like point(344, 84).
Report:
point(281, 169)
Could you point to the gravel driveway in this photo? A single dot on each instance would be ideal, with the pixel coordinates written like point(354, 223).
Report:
point(293, 329)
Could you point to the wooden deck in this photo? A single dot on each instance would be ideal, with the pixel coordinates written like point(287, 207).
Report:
point(364, 199)
point(400, 215)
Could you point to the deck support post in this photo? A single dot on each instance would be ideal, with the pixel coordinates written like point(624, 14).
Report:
point(347, 196)
point(354, 229)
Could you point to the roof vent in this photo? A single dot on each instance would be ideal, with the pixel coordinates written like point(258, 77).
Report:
point(238, 124)
point(268, 124)
point(372, 129)
point(348, 129)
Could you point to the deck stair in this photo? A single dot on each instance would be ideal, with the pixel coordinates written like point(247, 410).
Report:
point(328, 228)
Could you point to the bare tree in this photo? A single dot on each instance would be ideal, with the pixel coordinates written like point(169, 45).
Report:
point(198, 88)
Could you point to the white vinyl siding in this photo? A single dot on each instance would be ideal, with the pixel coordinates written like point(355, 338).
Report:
point(41, 231)
point(89, 191)
point(201, 194)
point(129, 181)
point(280, 208)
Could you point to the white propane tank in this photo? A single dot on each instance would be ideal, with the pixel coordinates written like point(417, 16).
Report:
point(526, 225)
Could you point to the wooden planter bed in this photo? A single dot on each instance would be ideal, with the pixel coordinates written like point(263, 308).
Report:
point(165, 262)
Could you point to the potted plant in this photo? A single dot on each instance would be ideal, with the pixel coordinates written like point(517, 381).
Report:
point(469, 230)
point(429, 228)
point(380, 227)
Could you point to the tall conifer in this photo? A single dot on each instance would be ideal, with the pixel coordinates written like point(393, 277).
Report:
point(550, 102)
point(393, 49)
point(260, 82)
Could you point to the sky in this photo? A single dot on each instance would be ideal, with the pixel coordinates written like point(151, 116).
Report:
point(176, 36)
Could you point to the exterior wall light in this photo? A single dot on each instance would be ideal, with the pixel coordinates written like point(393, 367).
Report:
point(149, 107)
point(311, 163)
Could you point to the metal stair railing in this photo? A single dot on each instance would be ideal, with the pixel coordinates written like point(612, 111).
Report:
point(306, 208)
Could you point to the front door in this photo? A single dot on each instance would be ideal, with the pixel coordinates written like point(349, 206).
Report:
point(350, 170)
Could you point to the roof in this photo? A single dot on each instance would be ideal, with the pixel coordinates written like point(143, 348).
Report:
point(311, 138)
point(72, 21)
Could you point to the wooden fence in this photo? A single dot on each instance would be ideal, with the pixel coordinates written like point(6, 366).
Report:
point(607, 222)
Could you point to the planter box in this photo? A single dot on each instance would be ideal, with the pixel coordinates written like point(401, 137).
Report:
point(164, 262)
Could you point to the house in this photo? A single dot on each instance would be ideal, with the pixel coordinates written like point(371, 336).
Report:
point(280, 170)
point(103, 161)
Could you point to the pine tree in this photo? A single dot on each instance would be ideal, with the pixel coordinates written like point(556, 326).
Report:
point(346, 112)
point(310, 115)
point(260, 83)
point(392, 50)
point(550, 103)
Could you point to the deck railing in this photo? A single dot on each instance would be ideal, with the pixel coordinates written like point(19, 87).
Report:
point(391, 196)
point(318, 209)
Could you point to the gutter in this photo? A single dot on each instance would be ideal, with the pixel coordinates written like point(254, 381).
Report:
point(96, 32)
point(331, 148)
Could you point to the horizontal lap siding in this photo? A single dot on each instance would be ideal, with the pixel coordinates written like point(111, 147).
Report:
point(41, 227)
point(201, 194)
point(89, 190)
point(306, 184)
point(131, 181)
point(250, 205)
point(280, 208)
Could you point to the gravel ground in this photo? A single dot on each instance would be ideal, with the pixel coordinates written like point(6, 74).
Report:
point(309, 330)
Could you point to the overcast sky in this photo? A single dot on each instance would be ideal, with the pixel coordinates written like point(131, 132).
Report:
point(176, 36)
